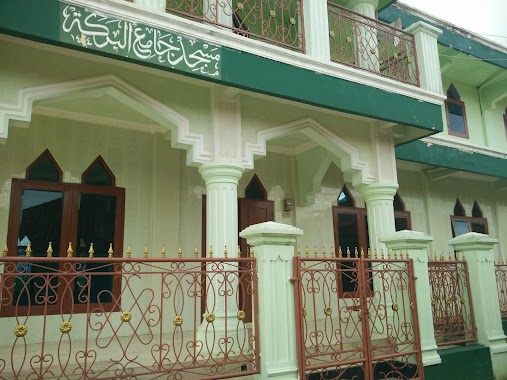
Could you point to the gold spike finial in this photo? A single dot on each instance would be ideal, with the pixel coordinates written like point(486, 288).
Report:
point(450, 257)
point(382, 253)
point(441, 256)
point(340, 253)
point(179, 251)
point(356, 253)
point(362, 253)
point(348, 252)
point(306, 252)
point(110, 251)
point(162, 253)
point(252, 253)
point(324, 252)
point(49, 251)
point(239, 251)
point(376, 253)
point(315, 254)
point(406, 254)
point(299, 251)
point(395, 255)
point(28, 250)
point(145, 251)
point(226, 253)
point(5, 250)
point(211, 251)
point(196, 252)
point(332, 252)
point(388, 253)
point(129, 251)
point(435, 257)
point(369, 253)
point(91, 251)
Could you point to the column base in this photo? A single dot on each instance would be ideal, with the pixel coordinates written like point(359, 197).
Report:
point(499, 363)
point(430, 356)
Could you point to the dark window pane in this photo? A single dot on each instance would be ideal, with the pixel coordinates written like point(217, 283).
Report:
point(401, 223)
point(460, 227)
point(40, 223)
point(479, 227)
point(345, 200)
point(44, 170)
point(98, 175)
point(456, 118)
point(348, 235)
point(96, 224)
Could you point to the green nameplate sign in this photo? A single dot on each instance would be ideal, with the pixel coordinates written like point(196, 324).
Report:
point(101, 32)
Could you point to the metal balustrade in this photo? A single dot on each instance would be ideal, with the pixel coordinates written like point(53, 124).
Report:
point(501, 282)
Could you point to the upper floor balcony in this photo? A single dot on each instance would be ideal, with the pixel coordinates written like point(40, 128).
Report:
point(318, 28)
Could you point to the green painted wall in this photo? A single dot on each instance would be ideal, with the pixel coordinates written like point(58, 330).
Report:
point(462, 363)
point(247, 71)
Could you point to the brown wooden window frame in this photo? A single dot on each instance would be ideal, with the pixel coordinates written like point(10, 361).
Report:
point(70, 214)
point(462, 105)
point(470, 220)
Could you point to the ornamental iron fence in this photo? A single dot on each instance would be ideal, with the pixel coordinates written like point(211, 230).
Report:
point(501, 282)
point(371, 45)
point(451, 301)
point(110, 317)
point(356, 317)
point(276, 22)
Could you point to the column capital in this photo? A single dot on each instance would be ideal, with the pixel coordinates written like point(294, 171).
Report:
point(355, 3)
point(473, 241)
point(407, 240)
point(423, 27)
point(271, 233)
point(378, 191)
point(221, 172)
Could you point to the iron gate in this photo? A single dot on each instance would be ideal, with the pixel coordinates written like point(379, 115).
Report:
point(356, 318)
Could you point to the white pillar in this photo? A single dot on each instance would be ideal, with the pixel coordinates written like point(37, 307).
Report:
point(427, 55)
point(274, 249)
point(316, 29)
point(152, 5)
point(478, 252)
point(380, 210)
point(416, 244)
point(221, 181)
point(366, 42)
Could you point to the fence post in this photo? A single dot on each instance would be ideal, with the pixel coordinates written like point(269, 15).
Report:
point(274, 250)
point(416, 244)
point(477, 251)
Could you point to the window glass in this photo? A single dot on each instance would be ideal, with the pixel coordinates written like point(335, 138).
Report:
point(479, 227)
point(348, 232)
point(456, 118)
point(40, 223)
point(43, 170)
point(401, 223)
point(98, 175)
point(461, 227)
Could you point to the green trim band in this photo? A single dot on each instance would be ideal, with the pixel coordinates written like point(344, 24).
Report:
point(449, 38)
point(247, 71)
point(452, 158)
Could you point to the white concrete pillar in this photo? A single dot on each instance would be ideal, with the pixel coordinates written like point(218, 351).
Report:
point(380, 210)
point(221, 179)
point(316, 29)
point(427, 55)
point(152, 5)
point(416, 244)
point(478, 253)
point(274, 249)
point(366, 42)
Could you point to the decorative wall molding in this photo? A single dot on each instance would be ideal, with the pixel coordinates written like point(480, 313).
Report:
point(216, 35)
point(346, 155)
point(168, 119)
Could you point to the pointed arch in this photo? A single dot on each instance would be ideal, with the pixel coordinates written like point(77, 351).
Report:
point(476, 210)
point(452, 93)
point(98, 173)
point(44, 168)
point(459, 210)
point(345, 199)
point(398, 203)
point(255, 189)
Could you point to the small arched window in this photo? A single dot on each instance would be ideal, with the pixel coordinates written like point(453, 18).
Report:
point(462, 224)
point(476, 210)
point(44, 168)
point(402, 219)
point(456, 115)
point(255, 189)
point(345, 199)
point(98, 173)
point(459, 210)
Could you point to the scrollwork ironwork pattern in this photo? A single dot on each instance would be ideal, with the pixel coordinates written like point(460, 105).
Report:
point(365, 43)
point(278, 22)
point(129, 333)
point(347, 327)
point(451, 300)
point(501, 283)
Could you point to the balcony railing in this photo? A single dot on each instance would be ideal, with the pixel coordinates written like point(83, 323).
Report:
point(368, 44)
point(110, 318)
point(451, 301)
point(278, 23)
point(501, 282)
